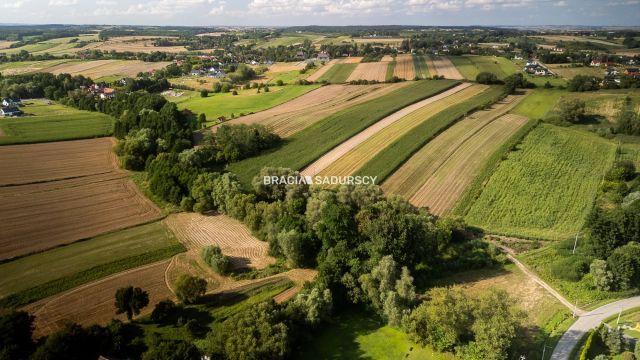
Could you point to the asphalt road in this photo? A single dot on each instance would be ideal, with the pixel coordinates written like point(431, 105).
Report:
point(587, 322)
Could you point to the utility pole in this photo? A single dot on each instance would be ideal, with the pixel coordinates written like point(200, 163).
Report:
point(575, 308)
point(619, 314)
point(575, 244)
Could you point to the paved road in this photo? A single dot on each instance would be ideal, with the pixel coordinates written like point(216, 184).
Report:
point(587, 322)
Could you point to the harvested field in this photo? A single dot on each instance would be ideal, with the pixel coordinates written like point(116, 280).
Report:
point(341, 150)
point(197, 231)
point(287, 66)
point(405, 68)
point(33, 163)
point(134, 44)
point(301, 112)
point(376, 71)
point(411, 178)
point(4, 44)
point(387, 58)
point(352, 60)
point(100, 68)
point(93, 303)
point(374, 143)
point(323, 70)
point(37, 217)
point(448, 165)
point(442, 66)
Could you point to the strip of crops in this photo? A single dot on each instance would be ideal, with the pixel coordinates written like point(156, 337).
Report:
point(394, 155)
point(420, 64)
point(309, 144)
point(471, 66)
point(44, 128)
point(475, 188)
point(565, 165)
point(339, 73)
point(390, 69)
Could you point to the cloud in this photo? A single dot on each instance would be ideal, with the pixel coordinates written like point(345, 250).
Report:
point(321, 7)
point(13, 5)
point(417, 6)
point(622, 3)
point(560, 3)
point(62, 2)
point(164, 7)
point(218, 7)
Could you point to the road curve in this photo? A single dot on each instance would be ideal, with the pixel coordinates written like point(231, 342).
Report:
point(588, 321)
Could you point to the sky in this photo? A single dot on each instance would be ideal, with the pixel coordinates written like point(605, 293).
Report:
point(322, 12)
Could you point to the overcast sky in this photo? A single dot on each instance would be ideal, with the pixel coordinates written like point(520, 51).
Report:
point(323, 12)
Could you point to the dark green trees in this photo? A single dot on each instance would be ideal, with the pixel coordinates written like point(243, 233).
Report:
point(130, 301)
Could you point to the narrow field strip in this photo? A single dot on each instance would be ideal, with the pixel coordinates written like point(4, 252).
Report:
point(366, 150)
point(323, 70)
point(447, 184)
point(395, 154)
point(338, 73)
point(342, 149)
point(373, 71)
point(422, 71)
point(311, 143)
point(442, 66)
point(411, 176)
point(405, 68)
point(290, 117)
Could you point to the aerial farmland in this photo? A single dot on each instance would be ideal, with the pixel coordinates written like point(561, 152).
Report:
point(318, 192)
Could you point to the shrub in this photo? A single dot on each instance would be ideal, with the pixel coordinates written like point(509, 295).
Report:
point(571, 268)
point(487, 78)
point(204, 93)
point(212, 255)
point(164, 311)
point(190, 288)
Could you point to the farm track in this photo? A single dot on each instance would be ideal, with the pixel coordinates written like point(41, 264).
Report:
point(342, 149)
point(23, 164)
point(376, 141)
point(437, 175)
point(289, 118)
point(376, 71)
point(197, 231)
point(443, 66)
point(405, 68)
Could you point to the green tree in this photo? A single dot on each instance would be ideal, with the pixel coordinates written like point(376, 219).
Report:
point(130, 301)
point(164, 311)
point(204, 93)
point(624, 263)
point(572, 110)
point(16, 328)
point(212, 256)
point(190, 288)
point(602, 277)
point(487, 78)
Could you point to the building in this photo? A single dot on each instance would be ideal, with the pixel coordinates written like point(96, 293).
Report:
point(324, 56)
point(10, 111)
point(12, 102)
point(595, 63)
point(300, 55)
point(634, 72)
point(107, 93)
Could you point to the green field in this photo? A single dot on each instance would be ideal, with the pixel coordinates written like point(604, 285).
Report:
point(394, 155)
point(566, 165)
point(290, 77)
point(538, 104)
point(37, 276)
point(357, 335)
point(58, 46)
point(390, 69)
point(312, 142)
point(420, 64)
point(53, 122)
point(246, 102)
point(471, 66)
point(339, 73)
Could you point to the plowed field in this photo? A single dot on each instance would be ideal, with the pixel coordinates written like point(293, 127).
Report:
point(376, 71)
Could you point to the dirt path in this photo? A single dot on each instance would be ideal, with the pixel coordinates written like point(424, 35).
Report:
point(337, 152)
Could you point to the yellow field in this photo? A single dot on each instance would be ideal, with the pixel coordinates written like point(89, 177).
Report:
point(356, 158)
point(437, 175)
point(404, 67)
point(376, 71)
point(100, 68)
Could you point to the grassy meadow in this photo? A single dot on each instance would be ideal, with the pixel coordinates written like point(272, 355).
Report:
point(538, 104)
point(54, 122)
point(549, 161)
point(37, 276)
point(338, 73)
point(471, 66)
point(246, 102)
point(307, 145)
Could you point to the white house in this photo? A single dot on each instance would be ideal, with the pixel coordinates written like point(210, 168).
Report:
point(10, 111)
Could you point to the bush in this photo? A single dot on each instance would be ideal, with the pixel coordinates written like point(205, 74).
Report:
point(204, 93)
point(190, 288)
point(487, 78)
point(212, 255)
point(164, 311)
point(570, 268)
point(235, 92)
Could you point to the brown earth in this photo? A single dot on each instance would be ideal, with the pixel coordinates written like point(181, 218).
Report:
point(376, 71)
point(93, 303)
point(351, 60)
point(404, 67)
point(442, 66)
point(289, 118)
point(22, 164)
